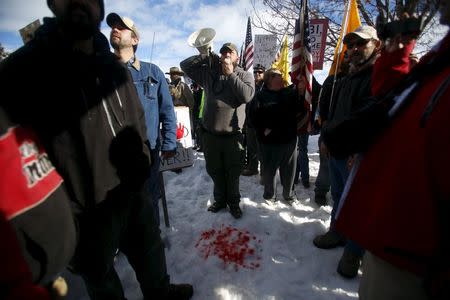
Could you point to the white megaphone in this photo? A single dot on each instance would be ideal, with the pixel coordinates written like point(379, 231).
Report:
point(202, 40)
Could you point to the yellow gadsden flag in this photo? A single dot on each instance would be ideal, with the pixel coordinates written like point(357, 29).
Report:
point(282, 62)
point(350, 22)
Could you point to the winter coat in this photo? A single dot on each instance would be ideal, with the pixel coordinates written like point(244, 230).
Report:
point(181, 94)
point(354, 89)
point(77, 104)
point(277, 111)
point(223, 111)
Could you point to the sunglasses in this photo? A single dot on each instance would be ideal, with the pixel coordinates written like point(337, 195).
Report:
point(358, 43)
point(258, 72)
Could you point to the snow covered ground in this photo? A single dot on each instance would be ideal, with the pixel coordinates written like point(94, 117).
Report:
point(278, 260)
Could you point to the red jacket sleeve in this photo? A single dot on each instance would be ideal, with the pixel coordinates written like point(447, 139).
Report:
point(15, 277)
point(390, 69)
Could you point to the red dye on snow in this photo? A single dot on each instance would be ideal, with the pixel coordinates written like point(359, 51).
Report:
point(233, 246)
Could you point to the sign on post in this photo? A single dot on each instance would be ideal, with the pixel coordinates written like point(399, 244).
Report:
point(318, 35)
point(184, 156)
point(27, 32)
point(265, 49)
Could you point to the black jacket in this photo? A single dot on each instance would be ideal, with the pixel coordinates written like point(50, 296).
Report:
point(351, 93)
point(278, 111)
point(77, 103)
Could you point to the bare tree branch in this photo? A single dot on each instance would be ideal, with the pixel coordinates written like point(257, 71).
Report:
point(280, 15)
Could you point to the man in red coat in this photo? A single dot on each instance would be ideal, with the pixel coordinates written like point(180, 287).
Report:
point(403, 221)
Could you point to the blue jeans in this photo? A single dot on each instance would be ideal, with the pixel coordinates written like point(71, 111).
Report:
point(338, 176)
point(302, 158)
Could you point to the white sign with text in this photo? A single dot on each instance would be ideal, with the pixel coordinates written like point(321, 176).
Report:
point(265, 49)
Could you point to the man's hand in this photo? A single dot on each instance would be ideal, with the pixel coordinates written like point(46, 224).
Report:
point(351, 161)
point(168, 154)
point(227, 66)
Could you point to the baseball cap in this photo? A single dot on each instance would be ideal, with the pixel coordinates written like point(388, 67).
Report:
point(259, 67)
point(229, 46)
point(364, 32)
point(114, 18)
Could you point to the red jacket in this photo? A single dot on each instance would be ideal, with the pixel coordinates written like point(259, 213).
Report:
point(394, 205)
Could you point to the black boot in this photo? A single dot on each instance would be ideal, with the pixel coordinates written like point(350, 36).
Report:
point(181, 291)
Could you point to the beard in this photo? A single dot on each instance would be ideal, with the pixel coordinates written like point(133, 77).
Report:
point(116, 43)
point(78, 22)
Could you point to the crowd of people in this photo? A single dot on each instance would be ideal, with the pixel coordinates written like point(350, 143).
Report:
point(83, 144)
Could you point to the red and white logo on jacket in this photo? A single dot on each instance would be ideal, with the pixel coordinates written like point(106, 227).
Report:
point(28, 177)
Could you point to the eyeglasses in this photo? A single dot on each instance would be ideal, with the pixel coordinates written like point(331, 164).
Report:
point(258, 72)
point(358, 43)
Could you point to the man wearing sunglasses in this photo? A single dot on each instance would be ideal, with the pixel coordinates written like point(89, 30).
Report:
point(353, 91)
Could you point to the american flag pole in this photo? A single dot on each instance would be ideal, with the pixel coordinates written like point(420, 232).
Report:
point(241, 56)
point(248, 51)
point(302, 62)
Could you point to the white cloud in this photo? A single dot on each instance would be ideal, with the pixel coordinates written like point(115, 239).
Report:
point(15, 14)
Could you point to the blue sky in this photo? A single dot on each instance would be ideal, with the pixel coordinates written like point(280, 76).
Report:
point(171, 21)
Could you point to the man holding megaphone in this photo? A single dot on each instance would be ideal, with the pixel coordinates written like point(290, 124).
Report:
point(227, 87)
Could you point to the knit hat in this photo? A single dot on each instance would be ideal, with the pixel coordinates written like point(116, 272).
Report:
point(100, 2)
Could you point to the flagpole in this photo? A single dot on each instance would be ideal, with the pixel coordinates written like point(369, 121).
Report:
point(346, 18)
point(347, 13)
point(302, 21)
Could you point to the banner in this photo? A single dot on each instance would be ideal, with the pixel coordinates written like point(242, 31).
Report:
point(265, 49)
point(27, 32)
point(318, 36)
point(350, 22)
point(282, 62)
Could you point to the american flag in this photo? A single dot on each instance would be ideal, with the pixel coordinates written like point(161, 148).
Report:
point(248, 51)
point(302, 61)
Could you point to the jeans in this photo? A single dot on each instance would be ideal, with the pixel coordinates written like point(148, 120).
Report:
point(338, 175)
